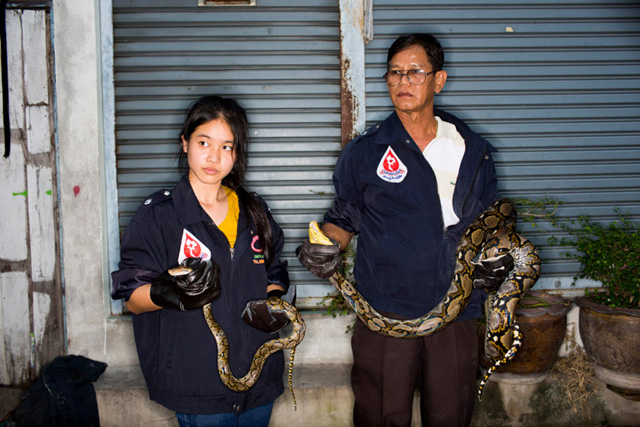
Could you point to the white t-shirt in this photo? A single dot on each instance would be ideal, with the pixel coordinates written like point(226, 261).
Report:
point(444, 153)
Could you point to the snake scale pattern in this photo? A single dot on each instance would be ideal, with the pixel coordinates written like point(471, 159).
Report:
point(290, 341)
point(491, 234)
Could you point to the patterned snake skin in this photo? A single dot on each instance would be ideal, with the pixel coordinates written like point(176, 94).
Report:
point(490, 235)
point(267, 349)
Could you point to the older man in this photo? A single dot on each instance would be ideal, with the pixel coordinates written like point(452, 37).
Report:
point(409, 187)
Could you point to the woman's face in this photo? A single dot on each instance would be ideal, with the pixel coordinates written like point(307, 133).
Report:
point(210, 152)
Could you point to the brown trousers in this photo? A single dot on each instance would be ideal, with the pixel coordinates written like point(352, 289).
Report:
point(386, 372)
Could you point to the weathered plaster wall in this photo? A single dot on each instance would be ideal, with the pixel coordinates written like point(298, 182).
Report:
point(91, 330)
point(30, 287)
point(81, 185)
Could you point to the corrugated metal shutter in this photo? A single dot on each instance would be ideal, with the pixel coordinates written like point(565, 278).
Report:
point(279, 59)
point(554, 85)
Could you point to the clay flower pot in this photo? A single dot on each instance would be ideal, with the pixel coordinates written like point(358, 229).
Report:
point(611, 338)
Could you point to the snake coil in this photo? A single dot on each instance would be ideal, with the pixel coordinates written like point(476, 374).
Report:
point(491, 234)
point(290, 341)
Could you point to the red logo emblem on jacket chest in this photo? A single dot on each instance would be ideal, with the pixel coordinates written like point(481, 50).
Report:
point(391, 168)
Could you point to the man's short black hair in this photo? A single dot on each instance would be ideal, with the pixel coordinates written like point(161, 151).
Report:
point(429, 43)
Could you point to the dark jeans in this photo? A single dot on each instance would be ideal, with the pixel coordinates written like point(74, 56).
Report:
point(256, 417)
point(386, 372)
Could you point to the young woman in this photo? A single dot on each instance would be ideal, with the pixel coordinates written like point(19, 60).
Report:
point(229, 240)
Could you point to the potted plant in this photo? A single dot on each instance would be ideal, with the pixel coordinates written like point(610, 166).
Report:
point(610, 315)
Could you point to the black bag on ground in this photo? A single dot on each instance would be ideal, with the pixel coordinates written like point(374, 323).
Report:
point(63, 395)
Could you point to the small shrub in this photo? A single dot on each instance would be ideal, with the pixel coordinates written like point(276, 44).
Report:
point(609, 254)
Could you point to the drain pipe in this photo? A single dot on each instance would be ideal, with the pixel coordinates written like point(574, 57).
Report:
point(5, 79)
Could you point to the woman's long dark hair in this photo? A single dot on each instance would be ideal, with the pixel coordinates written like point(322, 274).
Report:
point(211, 108)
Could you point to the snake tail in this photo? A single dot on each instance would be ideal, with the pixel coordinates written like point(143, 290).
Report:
point(517, 343)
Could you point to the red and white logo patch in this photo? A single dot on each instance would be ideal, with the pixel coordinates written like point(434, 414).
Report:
point(391, 168)
point(191, 247)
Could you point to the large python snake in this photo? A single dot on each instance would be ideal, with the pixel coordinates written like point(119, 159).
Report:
point(290, 341)
point(491, 234)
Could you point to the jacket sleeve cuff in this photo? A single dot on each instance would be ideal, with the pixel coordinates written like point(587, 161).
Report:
point(278, 275)
point(124, 282)
point(344, 214)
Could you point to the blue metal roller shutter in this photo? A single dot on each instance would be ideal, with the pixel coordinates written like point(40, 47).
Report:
point(279, 59)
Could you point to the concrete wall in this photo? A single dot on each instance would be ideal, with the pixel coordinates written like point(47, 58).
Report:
point(51, 246)
point(30, 285)
point(91, 331)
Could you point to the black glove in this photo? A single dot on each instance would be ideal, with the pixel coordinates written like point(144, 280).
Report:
point(257, 314)
point(190, 290)
point(490, 273)
point(321, 260)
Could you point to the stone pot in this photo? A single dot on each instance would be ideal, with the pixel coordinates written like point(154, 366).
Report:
point(611, 338)
point(543, 330)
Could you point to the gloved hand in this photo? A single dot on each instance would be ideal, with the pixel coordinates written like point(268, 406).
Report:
point(321, 260)
point(188, 290)
point(258, 314)
point(490, 273)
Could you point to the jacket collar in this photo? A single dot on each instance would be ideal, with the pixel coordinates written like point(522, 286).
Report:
point(188, 208)
point(392, 129)
point(465, 131)
point(186, 204)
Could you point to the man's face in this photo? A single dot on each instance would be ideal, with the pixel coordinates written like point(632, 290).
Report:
point(408, 97)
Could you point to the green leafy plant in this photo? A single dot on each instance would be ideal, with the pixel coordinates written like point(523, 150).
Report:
point(335, 304)
point(532, 210)
point(608, 253)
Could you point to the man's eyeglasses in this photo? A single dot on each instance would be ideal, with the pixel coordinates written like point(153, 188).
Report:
point(416, 77)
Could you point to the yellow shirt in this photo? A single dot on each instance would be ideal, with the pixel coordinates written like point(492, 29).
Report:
point(230, 224)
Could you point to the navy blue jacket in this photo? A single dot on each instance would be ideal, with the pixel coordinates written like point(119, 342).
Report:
point(405, 257)
point(176, 349)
